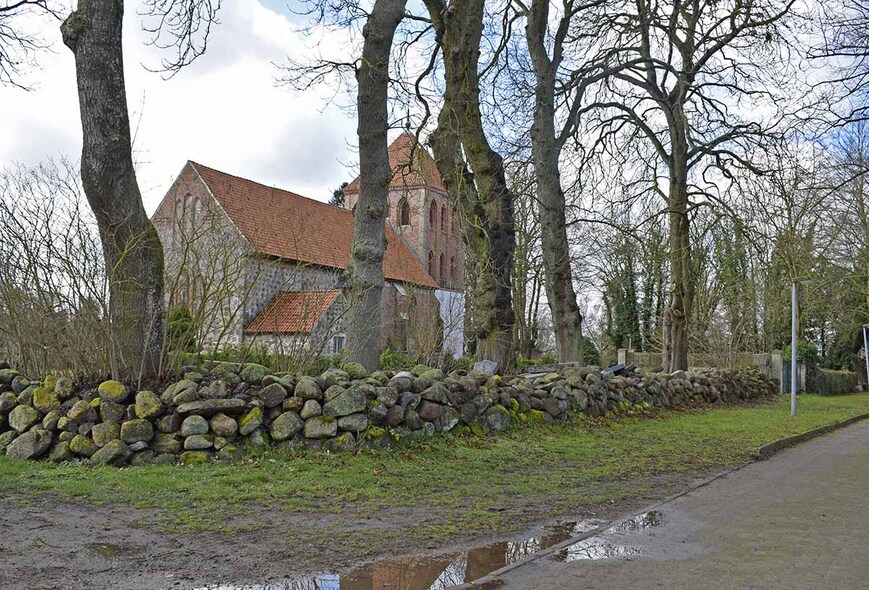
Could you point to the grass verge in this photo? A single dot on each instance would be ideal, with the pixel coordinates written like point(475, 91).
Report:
point(447, 487)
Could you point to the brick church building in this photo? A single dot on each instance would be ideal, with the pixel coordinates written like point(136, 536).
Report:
point(262, 265)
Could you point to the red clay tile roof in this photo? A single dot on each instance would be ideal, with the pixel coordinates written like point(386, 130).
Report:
point(289, 226)
point(424, 172)
point(293, 312)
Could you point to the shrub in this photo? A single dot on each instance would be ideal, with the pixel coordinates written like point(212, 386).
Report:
point(836, 382)
point(180, 332)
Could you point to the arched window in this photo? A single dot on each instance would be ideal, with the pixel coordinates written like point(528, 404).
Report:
point(442, 268)
point(433, 215)
point(431, 264)
point(443, 218)
point(182, 289)
point(454, 271)
point(403, 213)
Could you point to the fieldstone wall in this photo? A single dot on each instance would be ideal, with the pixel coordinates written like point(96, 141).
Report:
point(213, 412)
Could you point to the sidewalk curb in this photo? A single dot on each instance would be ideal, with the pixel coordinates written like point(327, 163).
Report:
point(768, 450)
point(490, 580)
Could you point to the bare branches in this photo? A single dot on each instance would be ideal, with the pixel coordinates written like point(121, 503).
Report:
point(182, 26)
point(17, 45)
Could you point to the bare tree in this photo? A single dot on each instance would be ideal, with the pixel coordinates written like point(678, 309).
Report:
point(132, 249)
point(17, 46)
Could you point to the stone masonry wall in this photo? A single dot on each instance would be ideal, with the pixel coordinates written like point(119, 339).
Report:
point(214, 412)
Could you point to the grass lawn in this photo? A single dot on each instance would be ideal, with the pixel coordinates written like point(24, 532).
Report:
point(450, 486)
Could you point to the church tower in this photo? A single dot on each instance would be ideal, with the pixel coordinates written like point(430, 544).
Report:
point(420, 212)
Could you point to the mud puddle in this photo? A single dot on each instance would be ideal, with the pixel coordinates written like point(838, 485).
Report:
point(439, 572)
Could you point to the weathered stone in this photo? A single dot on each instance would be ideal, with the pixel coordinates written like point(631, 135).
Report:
point(223, 425)
point(60, 453)
point(193, 458)
point(220, 442)
point(402, 382)
point(497, 418)
point(170, 392)
point(412, 420)
point(63, 387)
point(82, 446)
point(198, 442)
point(148, 405)
point(310, 409)
point(342, 442)
point(6, 438)
point(82, 412)
point(388, 396)
point(113, 391)
point(8, 400)
point(7, 375)
point(552, 407)
point(22, 418)
point(115, 453)
point(210, 407)
point(30, 445)
point(394, 416)
point(430, 411)
point(217, 389)
point(166, 443)
point(353, 423)
point(85, 428)
point(142, 458)
point(112, 412)
point(355, 371)
point(104, 432)
point(45, 400)
point(486, 367)
point(293, 404)
point(186, 396)
point(307, 389)
point(332, 377)
point(194, 425)
point(321, 427)
point(350, 401)
point(19, 384)
point(50, 421)
point(273, 395)
point(65, 436)
point(438, 393)
point(138, 446)
point(229, 453)
point(133, 431)
point(286, 426)
point(258, 438)
point(194, 376)
point(377, 413)
point(252, 420)
point(253, 373)
point(409, 401)
point(169, 423)
point(448, 420)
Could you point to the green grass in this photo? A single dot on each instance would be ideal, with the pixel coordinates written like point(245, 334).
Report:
point(452, 486)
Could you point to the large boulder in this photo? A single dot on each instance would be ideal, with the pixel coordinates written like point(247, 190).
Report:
point(353, 423)
point(105, 432)
point(253, 373)
point(307, 389)
point(22, 418)
point(45, 400)
point(113, 391)
point(112, 412)
point(30, 445)
point(82, 412)
point(223, 425)
point(133, 431)
point(350, 401)
point(273, 395)
point(210, 407)
point(285, 426)
point(321, 427)
point(82, 446)
point(497, 418)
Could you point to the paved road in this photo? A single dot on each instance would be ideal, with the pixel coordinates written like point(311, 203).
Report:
point(797, 521)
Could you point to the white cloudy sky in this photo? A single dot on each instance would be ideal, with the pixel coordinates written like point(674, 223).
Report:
point(224, 111)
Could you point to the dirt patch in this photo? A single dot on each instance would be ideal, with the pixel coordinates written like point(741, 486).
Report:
point(50, 544)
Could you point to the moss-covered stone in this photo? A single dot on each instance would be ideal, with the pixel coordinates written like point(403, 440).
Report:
point(50, 382)
point(8, 400)
point(64, 388)
point(223, 425)
point(148, 405)
point(82, 412)
point(252, 420)
point(355, 371)
point(115, 453)
point(30, 445)
point(133, 431)
point(166, 443)
point(285, 426)
point(50, 421)
point(342, 442)
point(22, 418)
point(60, 453)
point(45, 400)
point(82, 446)
point(253, 373)
point(321, 427)
point(113, 391)
point(104, 432)
point(198, 442)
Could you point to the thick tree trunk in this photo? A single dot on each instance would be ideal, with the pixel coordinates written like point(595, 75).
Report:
point(369, 241)
point(133, 253)
point(484, 197)
point(546, 151)
point(680, 303)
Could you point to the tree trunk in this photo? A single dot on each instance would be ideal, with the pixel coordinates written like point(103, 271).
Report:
point(369, 241)
point(546, 151)
point(679, 305)
point(484, 197)
point(132, 251)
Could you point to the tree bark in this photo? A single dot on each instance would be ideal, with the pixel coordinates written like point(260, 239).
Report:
point(546, 151)
point(132, 251)
point(484, 198)
point(369, 241)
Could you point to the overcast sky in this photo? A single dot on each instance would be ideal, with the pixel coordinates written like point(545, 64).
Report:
point(224, 111)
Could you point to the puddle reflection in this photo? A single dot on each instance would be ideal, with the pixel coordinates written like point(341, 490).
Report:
point(443, 571)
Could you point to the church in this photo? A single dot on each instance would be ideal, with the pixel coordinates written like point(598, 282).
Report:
point(265, 266)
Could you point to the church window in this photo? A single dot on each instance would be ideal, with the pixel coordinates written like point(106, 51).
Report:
point(403, 213)
point(442, 271)
point(443, 218)
point(431, 264)
point(454, 271)
point(433, 215)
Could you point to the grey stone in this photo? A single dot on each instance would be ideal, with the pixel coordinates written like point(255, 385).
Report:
point(377, 413)
point(273, 395)
point(210, 407)
point(342, 442)
point(497, 418)
point(388, 396)
point(350, 401)
point(253, 373)
point(353, 423)
point(412, 420)
point(394, 416)
point(104, 432)
point(252, 420)
point(138, 446)
point(63, 388)
point(486, 367)
point(112, 412)
point(169, 423)
point(438, 392)
point(50, 421)
point(194, 425)
point(82, 446)
point(430, 411)
point(286, 426)
point(30, 445)
point(321, 427)
point(82, 412)
point(8, 400)
point(115, 453)
point(223, 425)
point(19, 384)
point(142, 458)
point(307, 389)
point(60, 453)
point(187, 396)
point(166, 443)
point(310, 409)
point(258, 438)
point(22, 418)
point(5, 439)
point(170, 392)
point(293, 404)
point(148, 405)
point(448, 420)
point(137, 430)
point(217, 389)
point(198, 442)
point(409, 401)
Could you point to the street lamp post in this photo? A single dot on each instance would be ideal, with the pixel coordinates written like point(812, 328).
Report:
point(866, 354)
point(794, 373)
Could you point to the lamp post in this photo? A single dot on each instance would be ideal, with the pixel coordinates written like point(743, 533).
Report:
point(866, 354)
point(794, 373)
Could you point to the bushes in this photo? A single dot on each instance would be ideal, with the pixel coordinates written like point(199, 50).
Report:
point(836, 382)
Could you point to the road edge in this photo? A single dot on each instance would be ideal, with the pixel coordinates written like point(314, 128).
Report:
point(764, 452)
